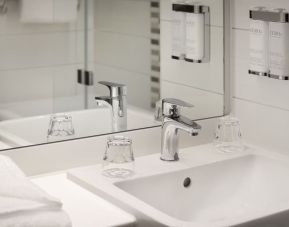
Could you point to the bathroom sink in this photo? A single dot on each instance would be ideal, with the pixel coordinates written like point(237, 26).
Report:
point(221, 191)
point(33, 130)
point(215, 190)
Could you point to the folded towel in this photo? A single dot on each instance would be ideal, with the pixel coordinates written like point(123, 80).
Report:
point(21, 199)
point(18, 186)
point(48, 218)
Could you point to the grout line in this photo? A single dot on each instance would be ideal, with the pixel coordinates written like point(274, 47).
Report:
point(45, 32)
point(122, 69)
point(41, 67)
point(211, 25)
point(241, 29)
point(197, 88)
point(261, 104)
point(122, 33)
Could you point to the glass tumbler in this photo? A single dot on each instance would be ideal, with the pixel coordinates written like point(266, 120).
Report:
point(118, 160)
point(228, 136)
point(60, 127)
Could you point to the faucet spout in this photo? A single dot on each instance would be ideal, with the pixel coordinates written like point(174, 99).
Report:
point(189, 126)
point(104, 98)
point(118, 103)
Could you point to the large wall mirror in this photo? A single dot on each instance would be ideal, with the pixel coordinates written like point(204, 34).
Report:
point(76, 68)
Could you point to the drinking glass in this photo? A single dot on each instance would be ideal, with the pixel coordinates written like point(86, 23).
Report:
point(60, 127)
point(228, 137)
point(118, 160)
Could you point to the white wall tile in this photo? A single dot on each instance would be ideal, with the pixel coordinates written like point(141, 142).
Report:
point(263, 125)
point(122, 47)
point(123, 51)
point(206, 104)
point(125, 16)
point(37, 50)
point(21, 85)
point(65, 80)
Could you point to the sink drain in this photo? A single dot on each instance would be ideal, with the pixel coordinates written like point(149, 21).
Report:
point(187, 182)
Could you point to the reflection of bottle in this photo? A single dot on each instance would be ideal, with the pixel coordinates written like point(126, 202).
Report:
point(178, 33)
point(195, 36)
point(279, 49)
point(259, 39)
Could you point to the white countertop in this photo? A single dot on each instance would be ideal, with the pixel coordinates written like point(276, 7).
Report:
point(84, 208)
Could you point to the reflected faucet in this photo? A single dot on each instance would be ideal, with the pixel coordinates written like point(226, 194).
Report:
point(172, 122)
point(118, 103)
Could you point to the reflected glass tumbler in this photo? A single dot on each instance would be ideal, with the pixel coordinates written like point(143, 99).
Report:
point(60, 127)
point(118, 160)
point(228, 136)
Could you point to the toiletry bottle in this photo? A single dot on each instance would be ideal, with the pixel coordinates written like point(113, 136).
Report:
point(258, 51)
point(195, 35)
point(279, 49)
point(178, 32)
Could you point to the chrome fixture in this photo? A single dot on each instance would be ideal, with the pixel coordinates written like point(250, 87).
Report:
point(118, 103)
point(172, 123)
point(278, 15)
point(85, 77)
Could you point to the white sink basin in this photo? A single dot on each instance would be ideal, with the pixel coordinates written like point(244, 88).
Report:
point(225, 190)
point(33, 130)
point(220, 191)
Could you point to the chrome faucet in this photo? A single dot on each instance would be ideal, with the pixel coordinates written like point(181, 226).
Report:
point(118, 103)
point(172, 122)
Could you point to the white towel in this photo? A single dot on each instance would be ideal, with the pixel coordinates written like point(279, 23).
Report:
point(20, 200)
point(48, 11)
point(48, 218)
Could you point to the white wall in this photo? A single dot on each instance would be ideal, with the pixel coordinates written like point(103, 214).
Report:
point(199, 84)
point(38, 61)
point(262, 104)
point(122, 47)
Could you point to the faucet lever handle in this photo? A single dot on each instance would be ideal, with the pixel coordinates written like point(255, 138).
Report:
point(115, 89)
point(171, 107)
point(177, 102)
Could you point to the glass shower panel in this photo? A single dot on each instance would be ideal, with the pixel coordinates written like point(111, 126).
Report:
point(68, 92)
point(41, 51)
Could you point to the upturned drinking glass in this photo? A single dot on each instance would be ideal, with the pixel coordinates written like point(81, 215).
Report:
point(228, 137)
point(118, 160)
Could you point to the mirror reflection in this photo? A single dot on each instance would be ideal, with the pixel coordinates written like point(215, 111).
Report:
point(79, 68)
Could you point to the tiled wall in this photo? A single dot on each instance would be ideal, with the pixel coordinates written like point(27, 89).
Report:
point(38, 61)
point(261, 103)
point(122, 47)
point(199, 84)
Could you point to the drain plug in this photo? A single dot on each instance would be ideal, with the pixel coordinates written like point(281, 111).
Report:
point(187, 182)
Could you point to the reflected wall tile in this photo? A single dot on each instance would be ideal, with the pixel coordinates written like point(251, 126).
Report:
point(206, 104)
point(116, 16)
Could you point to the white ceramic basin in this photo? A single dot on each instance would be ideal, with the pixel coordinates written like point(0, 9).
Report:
point(225, 190)
point(33, 130)
point(220, 191)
